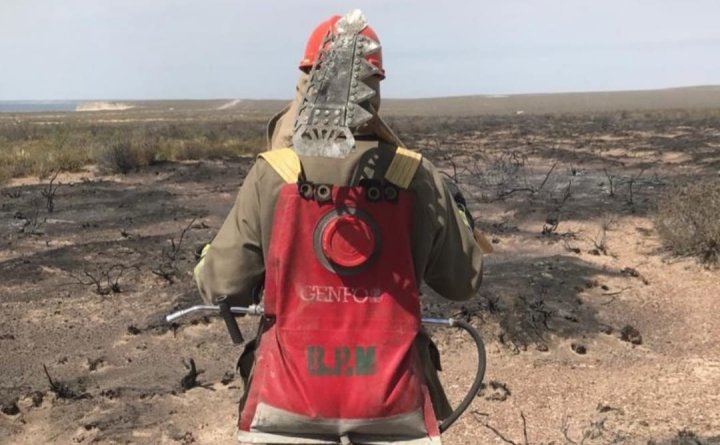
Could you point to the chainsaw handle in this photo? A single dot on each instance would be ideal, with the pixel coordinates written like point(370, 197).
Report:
point(230, 321)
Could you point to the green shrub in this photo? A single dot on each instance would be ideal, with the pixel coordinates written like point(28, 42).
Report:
point(5, 175)
point(146, 152)
point(688, 220)
point(118, 157)
point(69, 159)
point(40, 158)
point(35, 145)
point(22, 159)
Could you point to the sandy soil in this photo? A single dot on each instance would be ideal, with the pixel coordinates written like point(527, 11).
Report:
point(560, 307)
point(104, 106)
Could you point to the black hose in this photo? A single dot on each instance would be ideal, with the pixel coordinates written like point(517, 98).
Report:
point(475, 388)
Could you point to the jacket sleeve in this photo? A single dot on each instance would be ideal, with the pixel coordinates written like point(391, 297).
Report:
point(452, 262)
point(233, 265)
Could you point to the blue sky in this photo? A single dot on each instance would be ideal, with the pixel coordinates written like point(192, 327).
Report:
point(172, 49)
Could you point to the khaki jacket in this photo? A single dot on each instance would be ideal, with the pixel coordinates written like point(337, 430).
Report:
point(446, 257)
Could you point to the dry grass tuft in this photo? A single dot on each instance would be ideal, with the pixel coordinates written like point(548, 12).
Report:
point(688, 220)
point(38, 145)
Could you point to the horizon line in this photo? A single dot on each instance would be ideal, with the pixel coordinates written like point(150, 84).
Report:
point(493, 95)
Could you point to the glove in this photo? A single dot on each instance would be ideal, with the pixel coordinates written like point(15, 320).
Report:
point(201, 256)
point(460, 204)
point(466, 216)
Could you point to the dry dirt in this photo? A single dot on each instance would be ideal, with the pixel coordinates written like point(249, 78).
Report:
point(559, 307)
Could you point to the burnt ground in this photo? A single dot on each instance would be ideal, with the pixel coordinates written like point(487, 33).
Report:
point(594, 332)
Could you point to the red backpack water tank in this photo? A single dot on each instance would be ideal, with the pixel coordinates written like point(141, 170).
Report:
point(339, 356)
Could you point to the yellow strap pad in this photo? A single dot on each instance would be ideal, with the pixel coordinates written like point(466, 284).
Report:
point(403, 167)
point(285, 162)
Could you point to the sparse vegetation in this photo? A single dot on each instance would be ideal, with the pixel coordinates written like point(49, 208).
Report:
point(48, 192)
point(39, 145)
point(104, 280)
point(33, 222)
point(167, 263)
point(119, 157)
point(688, 220)
point(189, 380)
point(62, 389)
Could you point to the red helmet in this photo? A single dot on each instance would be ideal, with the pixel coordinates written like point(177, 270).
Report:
point(316, 39)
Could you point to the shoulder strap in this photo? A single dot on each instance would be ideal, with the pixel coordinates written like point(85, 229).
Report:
point(401, 171)
point(403, 167)
point(285, 162)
